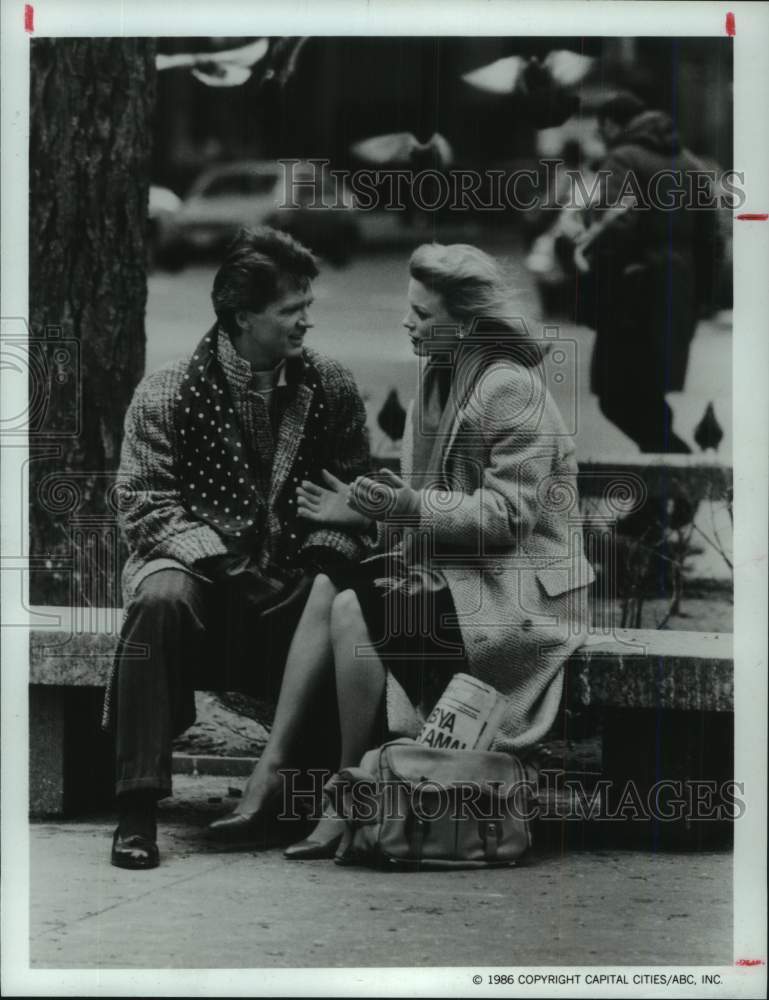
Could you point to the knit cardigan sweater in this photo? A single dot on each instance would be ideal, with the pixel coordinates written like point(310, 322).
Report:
point(153, 518)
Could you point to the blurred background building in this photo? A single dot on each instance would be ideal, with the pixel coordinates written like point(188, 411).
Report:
point(346, 89)
point(208, 141)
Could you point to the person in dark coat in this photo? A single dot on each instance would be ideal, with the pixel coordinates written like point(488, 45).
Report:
point(650, 269)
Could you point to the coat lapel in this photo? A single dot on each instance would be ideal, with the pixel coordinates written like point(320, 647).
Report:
point(457, 423)
point(461, 390)
point(407, 450)
point(407, 457)
point(289, 439)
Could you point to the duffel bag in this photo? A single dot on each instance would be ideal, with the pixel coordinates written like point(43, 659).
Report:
point(412, 806)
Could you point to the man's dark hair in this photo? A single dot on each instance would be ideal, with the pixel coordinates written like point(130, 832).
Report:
point(621, 108)
point(259, 264)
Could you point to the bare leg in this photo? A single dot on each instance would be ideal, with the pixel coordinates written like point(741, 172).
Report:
point(360, 680)
point(360, 685)
point(309, 660)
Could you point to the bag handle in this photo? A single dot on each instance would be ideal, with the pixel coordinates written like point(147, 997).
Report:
point(351, 774)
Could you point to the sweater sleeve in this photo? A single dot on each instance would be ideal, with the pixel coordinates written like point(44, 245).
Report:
point(349, 456)
point(153, 518)
point(504, 509)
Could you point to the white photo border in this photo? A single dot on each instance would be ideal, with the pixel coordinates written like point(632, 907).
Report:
point(750, 447)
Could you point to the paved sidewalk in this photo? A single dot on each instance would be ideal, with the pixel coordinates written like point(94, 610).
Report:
point(207, 909)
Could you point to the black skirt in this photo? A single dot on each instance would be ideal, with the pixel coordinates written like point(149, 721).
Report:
point(411, 619)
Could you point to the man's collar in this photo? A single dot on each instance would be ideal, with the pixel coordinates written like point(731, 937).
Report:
point(239, 371)
point(236, 369)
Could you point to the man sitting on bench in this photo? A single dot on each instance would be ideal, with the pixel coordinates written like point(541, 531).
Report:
point(219, 565)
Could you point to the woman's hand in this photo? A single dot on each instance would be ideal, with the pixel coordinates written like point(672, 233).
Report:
point(384, 497)
point(329, 504)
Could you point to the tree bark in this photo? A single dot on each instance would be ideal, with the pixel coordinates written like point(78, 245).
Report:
point(91, 102)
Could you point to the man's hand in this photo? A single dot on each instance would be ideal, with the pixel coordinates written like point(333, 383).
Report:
point(384, 497)
point(329, 505)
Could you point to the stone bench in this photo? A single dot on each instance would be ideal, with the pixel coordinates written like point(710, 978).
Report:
point(654, 669)
point(694, 476)
point(657, 692)
point(665, 703)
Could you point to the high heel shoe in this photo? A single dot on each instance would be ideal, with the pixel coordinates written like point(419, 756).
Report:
point(325, 838)
point(239, 828)
point(322, 842)
point(258, 826)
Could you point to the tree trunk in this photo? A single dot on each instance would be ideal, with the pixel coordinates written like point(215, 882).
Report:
point(91, 102)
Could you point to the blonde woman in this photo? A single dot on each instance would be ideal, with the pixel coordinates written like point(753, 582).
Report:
point(481, 565)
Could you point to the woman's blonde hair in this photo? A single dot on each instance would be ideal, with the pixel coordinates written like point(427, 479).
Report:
point(474, 290)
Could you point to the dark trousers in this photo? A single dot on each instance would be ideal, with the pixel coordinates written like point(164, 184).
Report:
point(640, 411)
point(184, 633)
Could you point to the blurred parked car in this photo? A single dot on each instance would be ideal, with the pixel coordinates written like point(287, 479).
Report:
point(162, 204)
point(254, 192)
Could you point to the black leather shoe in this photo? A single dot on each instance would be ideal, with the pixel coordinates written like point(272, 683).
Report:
point(134, 852)
point(243, 828)
point(320, 844)
point(328, 831)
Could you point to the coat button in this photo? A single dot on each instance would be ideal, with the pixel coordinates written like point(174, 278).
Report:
point(526, 624)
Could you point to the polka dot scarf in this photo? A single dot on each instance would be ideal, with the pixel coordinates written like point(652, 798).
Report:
point(219, 483)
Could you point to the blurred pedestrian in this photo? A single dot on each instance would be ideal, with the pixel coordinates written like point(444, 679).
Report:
point(651, 269)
